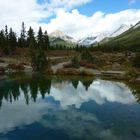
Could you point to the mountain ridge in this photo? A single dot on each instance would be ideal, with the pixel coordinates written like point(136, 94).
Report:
point(129, 39)
point(60, 34)
point(91, 39)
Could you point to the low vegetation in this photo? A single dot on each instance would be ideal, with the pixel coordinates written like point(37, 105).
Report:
point(35, 50)
point(136, 61)
point(75, 62)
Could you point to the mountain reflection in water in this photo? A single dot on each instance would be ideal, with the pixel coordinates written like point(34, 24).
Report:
point(70, 109)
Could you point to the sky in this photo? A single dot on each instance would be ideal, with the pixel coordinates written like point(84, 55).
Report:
point(77, 18)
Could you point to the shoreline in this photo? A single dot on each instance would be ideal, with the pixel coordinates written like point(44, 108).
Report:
point(9, 65)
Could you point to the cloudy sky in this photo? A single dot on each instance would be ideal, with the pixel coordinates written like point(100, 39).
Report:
point(77, 18)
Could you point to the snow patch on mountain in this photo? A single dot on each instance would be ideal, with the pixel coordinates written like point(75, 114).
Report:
point(137, 25)
point(61, 35)
point(120, 30)
point(87, 40)
point(92, 39)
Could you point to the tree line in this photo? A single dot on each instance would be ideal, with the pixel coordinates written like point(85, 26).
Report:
point(9, 40)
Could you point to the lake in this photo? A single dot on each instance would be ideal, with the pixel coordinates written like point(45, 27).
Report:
point(68, 108)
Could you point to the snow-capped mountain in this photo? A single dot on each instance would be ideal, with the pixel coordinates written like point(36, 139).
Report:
point(87, 40)
point(61, 35)
point(99, 37)
point(93, 39)
point(120, 30)
point(137, 25)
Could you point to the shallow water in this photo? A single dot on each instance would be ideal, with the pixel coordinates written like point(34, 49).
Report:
point(40, 108)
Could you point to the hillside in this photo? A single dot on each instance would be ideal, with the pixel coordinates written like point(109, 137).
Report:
point(128, 40)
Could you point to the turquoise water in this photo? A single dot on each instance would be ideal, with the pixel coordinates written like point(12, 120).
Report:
point(40, 108)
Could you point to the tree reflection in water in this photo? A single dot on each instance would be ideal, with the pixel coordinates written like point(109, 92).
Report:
point(10, 90)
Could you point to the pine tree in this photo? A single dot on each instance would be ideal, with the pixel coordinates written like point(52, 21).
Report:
point(40, 38)
point(38, 60)
point(12, 40)
point(6, 32)
point(6, 48)
point(23, 31)
point(46, 41)
point(2, 39)
point(22, 39)
point(31, 42)
point(77, 47)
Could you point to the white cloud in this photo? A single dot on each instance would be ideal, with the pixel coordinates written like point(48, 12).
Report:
point(99, 91)
point(78, 25)
point(13, 12)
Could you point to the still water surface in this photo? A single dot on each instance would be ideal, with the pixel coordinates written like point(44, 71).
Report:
point(40, 108)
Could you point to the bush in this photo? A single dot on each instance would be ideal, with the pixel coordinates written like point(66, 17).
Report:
point(39, 61)
point(136, 61)
point(83, 63)
point(75, 62)
point(87, 56)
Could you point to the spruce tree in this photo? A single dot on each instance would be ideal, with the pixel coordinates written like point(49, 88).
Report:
point(40, 39)
point(22, 39)
point(23, 31)
point(39, 60)
point(2, 39)
point(31, 42)
point(6, 32)
point(6, 49)
point(12, 40)
point(46, 41)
